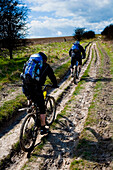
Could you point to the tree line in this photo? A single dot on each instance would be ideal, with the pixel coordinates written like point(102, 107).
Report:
point(108, 32)
point(80, 33)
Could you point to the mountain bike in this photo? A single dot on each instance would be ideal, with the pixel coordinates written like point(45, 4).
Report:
point(31, 125)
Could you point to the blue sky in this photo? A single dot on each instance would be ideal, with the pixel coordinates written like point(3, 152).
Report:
point(52, 18)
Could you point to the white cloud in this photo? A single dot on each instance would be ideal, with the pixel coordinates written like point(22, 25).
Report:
point(66, 8)
point(59, 17)
point(59, 33)
point(103, 3)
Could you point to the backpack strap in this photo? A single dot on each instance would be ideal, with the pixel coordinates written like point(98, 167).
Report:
point(43, 72)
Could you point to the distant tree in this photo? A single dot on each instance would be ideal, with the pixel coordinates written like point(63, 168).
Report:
point(13, 16)
point(89, 34)
point(105, 31)
point(108, 31)
point(78, 33)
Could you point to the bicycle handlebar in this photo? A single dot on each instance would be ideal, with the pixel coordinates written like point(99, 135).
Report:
point(46, 85)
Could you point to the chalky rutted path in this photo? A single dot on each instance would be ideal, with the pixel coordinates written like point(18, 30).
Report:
point(58, 151)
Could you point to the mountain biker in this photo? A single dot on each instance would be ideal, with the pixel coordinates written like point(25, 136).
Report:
point(75, 54)
point(34, 91)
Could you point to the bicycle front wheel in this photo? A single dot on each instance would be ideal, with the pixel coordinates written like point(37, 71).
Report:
point(28, 133)
point(50, 110)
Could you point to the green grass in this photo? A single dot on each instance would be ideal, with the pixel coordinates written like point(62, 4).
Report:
point(109, 50)
point(10, 108)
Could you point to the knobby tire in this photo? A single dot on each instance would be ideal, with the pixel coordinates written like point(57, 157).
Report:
point(28, 133)
point(50, 110)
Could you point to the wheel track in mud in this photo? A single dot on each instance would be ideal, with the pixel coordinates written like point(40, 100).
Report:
point(67, 93)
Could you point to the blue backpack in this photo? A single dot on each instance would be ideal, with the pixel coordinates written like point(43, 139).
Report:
point(75, 47)
point(33, 67)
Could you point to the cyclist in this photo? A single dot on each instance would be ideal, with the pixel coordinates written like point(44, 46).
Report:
point(75, 54)
point(34, 92)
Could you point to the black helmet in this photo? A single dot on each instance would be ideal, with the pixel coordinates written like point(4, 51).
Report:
point(43, 56)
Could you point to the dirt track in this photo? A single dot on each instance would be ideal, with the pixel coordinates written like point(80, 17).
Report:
point(61, 144)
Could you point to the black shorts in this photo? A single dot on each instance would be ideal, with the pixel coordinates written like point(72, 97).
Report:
point(35, 93)
point(73, 61)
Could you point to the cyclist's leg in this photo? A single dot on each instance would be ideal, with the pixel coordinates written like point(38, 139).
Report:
point(80, 65)
point(73, 61)
point(41, 104)
point(77, 64)
point(72, 65)
point(36, 95)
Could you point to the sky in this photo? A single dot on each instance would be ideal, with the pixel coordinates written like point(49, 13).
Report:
point(54, 18)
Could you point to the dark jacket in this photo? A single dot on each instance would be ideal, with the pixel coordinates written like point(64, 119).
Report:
point(34, 86)
point(78, 54)
point(47, 71)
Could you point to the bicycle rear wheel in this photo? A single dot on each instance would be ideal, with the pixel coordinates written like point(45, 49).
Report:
point(28, 133)
point(50, 110)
